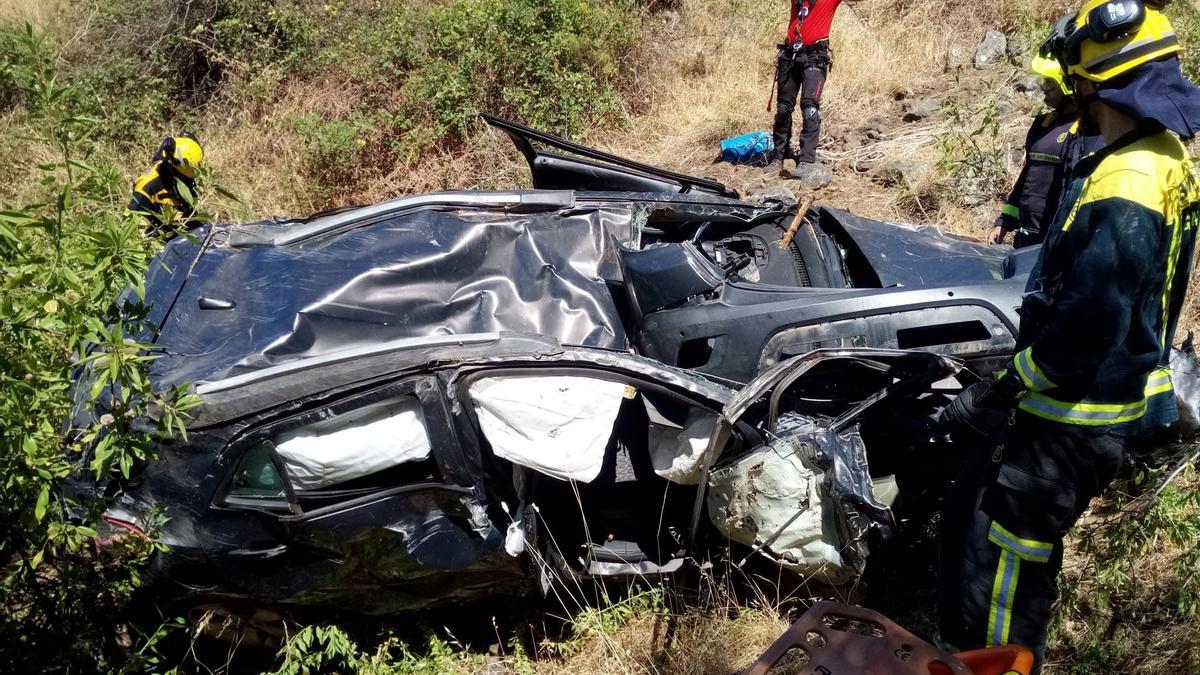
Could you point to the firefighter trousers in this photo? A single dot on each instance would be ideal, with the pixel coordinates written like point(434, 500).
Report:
point(800, 73)
point(1005, 515)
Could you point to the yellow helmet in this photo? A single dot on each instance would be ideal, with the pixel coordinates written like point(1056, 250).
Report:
point(183, 152)
point(1049, 69)
point(1108, 38)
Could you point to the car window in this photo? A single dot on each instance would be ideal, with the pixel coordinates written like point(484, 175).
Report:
point(336, 455)
point(256, 477)
point(347, 447)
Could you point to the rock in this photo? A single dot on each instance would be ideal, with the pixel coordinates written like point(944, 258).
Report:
point(774, 192)
point(1016, 50)
point(900, 171)
point(812, 176)
point(918, 110)
point(991, 49)
point(1003, 106)
point(971, 195)
point(956, 56)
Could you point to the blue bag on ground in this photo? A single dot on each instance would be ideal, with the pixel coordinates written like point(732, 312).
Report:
point(747, 148)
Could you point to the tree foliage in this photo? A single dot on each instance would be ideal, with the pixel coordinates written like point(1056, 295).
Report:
point(64, 258)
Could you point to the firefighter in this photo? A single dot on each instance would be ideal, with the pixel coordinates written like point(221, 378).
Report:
point(1099, 310)
point(801, 66)
point(1052, 146)
point(176, 163)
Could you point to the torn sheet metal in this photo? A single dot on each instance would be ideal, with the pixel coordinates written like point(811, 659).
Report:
point(558, 425)
point(416, 274)
point(805, 500)
point(354, 444)
point(919, 255)
point(1185, 378)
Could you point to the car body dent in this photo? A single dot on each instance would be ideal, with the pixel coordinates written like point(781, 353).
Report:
point(280, 319)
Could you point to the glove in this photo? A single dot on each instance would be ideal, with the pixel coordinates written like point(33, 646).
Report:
point(982, 407)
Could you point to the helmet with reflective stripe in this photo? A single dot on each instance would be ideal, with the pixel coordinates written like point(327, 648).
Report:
point(1108, 38)
point(183, 152)
point(1049, 69)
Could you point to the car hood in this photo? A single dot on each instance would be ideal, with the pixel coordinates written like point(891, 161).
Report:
point(899, 254)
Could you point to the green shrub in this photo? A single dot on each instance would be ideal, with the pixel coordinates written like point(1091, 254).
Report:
point(64, 257)
point(332, 149)
point(552, 64)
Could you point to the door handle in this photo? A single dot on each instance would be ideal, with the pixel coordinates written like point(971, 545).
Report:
point(256, 554)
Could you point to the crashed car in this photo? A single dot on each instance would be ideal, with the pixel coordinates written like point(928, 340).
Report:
point(434, 470)
point(457, 394)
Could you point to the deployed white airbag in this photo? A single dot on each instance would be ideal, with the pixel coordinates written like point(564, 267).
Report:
point(772, 499)
point(558, 425)
point(676, 453)
point(354, 444)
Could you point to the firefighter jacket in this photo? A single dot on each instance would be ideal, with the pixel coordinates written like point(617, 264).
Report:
point(1052, 147)
point(159, 187)
point(1104, 296)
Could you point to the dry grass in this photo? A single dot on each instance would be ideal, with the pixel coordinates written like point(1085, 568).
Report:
point(44, 13)
point(703, 643)
point(714, 81)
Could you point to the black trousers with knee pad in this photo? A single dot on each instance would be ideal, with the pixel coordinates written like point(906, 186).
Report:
point(800, 71)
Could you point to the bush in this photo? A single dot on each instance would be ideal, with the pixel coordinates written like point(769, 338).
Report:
point(64, 258)
point(332, 149)
point(552, 64)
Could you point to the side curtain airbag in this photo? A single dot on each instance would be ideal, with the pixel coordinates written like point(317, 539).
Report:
point(354, 444)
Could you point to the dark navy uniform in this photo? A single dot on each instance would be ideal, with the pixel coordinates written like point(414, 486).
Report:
point(1099, 311)
point(1052, 147)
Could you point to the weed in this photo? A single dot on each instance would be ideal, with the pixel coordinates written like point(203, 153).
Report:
point(974, 152)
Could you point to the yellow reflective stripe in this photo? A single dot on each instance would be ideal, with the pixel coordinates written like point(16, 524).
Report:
point(1026, 549)
point(1010, 210)
point(1004, 589)
point(1031, 375)
point(1085, 414)
point(1159, 382)
point(1043, 157)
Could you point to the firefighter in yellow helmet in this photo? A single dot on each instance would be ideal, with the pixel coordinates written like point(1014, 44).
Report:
point(171, 181)
point(1052, 147)
point(1099, 312)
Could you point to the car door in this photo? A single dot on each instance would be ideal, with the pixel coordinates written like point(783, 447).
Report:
point(558, 164)
point(367, 502)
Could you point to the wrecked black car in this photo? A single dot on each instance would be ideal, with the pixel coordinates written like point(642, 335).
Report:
point(429, 471)
point(468, 393)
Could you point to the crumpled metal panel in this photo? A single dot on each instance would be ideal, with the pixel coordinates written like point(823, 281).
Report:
point(417, 274)
point(920, 255)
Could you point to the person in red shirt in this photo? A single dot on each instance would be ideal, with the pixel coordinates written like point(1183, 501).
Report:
point(802, 66)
